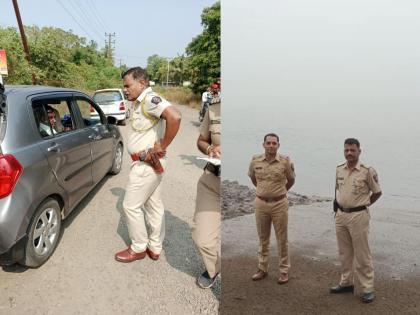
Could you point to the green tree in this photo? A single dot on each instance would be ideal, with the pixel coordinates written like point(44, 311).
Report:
point(204, 50)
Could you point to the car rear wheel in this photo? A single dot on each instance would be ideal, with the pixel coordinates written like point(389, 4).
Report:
point(122, 122)
point(118, 157)
point(43, 233)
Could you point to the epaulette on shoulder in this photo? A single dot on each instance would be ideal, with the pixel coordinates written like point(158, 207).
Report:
point(365, 166)
point(257, 156)
point(340, 165)
point(284, 157)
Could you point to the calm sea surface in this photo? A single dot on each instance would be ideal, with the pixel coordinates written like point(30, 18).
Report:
point(313, 135)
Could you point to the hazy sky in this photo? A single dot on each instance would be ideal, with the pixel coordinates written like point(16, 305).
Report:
point(321, 52)
point(142, 28)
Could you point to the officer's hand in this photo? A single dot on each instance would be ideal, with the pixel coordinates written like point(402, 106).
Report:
point(215, 152)
point(159, 150)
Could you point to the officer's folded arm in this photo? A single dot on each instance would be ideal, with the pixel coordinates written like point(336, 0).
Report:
point(172, 117)
point(290, 183)
point(375, 196)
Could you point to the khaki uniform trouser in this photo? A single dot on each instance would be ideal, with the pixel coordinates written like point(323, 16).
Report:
point(144, 208)
point(352, 231)
point(277, 213)
point(206, 227)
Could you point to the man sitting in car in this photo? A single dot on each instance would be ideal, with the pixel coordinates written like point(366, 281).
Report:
point(50, 125)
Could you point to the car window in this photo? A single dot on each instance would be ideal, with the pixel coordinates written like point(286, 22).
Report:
point(90, 116)
point(53, 117)
point(107, 97)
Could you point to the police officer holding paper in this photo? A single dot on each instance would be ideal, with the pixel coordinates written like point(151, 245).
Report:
point(206, 228)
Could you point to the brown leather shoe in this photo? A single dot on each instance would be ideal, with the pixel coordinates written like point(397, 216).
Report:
point(152, 255)
point(128, 255)
point(284, 278)
point(259, 275)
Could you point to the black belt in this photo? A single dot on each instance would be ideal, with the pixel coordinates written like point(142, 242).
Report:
point(215, 169)
point(272, 199)
point(355, 209)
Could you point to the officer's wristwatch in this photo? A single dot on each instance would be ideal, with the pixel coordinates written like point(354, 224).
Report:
point(142, 156)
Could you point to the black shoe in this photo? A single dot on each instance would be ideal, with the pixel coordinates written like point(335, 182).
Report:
point(205, 282)
point(368, 297)
point(340, 289)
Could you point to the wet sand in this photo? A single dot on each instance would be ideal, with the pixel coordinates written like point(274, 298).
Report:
point(394, 239)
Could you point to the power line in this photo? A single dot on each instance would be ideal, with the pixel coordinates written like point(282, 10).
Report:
point(96, 16)
point(74, 19)
point(99, 16)
point(84, 18)
point(90, 10)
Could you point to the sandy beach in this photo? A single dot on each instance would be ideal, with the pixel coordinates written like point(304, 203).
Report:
point(394, 240)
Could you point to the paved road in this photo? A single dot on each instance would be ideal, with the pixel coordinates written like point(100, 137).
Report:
point(82, 276)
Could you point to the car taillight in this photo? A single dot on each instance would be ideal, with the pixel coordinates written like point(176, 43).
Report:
point(122, 106)
point(10, 170)
point(92, 110)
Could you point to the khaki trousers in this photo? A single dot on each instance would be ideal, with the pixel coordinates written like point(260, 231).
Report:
point(352, 231)
point(144, 208)
point(206, 227)
point(276, 213)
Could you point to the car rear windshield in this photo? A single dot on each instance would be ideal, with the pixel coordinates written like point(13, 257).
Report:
point(107, 97)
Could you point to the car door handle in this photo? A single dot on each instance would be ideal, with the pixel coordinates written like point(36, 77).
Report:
point(95, 137)
point(54, 148)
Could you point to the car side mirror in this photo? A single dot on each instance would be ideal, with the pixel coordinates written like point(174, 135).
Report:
point(111, 120)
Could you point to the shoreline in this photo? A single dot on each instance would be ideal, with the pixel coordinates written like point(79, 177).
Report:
point(238, 200)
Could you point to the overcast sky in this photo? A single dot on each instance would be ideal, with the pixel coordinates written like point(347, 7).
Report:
point(316, 52)
point(142, 28)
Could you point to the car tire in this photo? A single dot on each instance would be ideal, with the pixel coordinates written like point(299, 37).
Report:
point(117, 162)
point(122, 122)
point(43, 234)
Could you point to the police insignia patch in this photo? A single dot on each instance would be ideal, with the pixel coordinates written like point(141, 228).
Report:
point(292, 166)
point(375, 178)
point(156, 100)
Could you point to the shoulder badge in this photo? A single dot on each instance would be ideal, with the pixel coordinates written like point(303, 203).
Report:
point(156, 100)
point(374, 174)
point(341, 164)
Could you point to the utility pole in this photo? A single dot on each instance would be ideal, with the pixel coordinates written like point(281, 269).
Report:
point(22, 35)
point(109, 43)
point(167, 74)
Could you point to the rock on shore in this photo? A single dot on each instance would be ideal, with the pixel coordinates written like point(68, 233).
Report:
point(238, 199)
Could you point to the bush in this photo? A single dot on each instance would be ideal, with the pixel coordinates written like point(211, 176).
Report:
point(179, 95)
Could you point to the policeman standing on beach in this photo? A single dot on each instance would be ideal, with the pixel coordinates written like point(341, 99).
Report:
point(206, 228)
point(273, 175)
point(143, 202)
point(357, 187)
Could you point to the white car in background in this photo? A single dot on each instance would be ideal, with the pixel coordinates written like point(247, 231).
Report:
point(113, 103)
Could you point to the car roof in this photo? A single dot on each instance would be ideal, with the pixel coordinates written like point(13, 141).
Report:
point(25, 90)
point(107, 90)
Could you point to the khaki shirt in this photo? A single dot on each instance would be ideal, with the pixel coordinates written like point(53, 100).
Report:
point(210, 127)
point(354, 186)
point(142, 132)
point(271, 177)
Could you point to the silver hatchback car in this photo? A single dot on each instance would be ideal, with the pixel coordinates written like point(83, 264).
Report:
point(52, 154)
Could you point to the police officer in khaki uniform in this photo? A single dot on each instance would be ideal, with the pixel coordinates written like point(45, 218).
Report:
point(357, 188)
point(206, 228)
point(273, 175)
point(143, 202)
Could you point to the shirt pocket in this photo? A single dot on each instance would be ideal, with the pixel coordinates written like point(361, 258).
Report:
point(277, 174)
point(259, 172)
point(359, 186)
